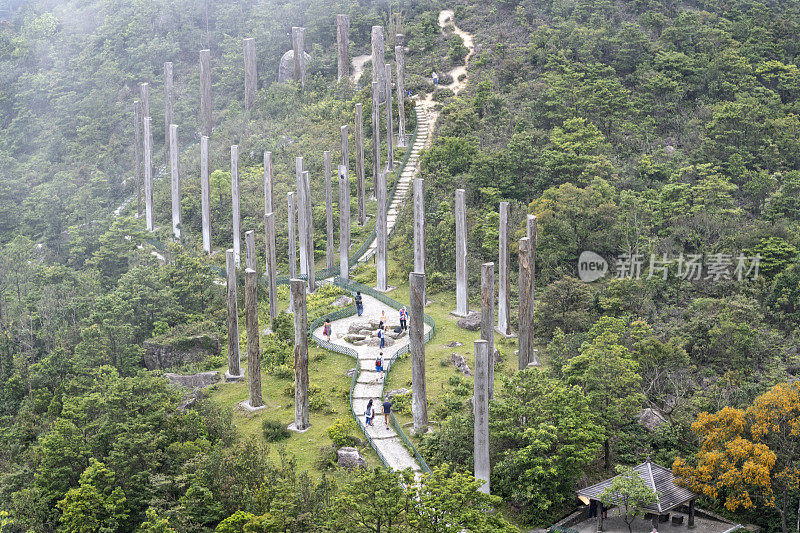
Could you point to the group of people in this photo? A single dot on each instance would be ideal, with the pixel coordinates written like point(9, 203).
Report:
point(370, 411)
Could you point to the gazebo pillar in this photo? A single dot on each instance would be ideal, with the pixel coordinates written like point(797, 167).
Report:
point(599, 516)
point(690, 523)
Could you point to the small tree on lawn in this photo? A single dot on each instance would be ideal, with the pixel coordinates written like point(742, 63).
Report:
point(629, 492)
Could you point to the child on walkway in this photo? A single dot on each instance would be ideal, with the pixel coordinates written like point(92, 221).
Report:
point(326, 329)
point(403, 318)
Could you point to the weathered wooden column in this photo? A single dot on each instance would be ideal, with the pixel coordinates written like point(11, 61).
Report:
point(175, 181)
point(362, 210)
point(344, 223)
point(419, 225)
point(299, 47)
point(480, 408)
point(169, 116)
point(343, 46)
point(533, 359)
point(250, 249)
point(525, 303)
point(462, 296)
point(298, 290)
point(144, 92)
point(310, 266)
point(137, 153)
point(416, 338)
point(301, 215)
point(205, 93)
point(345, 147)
point(148, 174)
point(251, 325)
point(487, 316)
point(271, 264)
point(329, 251)
point(291, 207)
point(504, 281)
point(378, 56)
point(400, 62)
point(268, 177)
point(235, 203)
point(381, 236)
point(250, 72)
point(234, 373)
point(389, 120)
point(376, 136)
point(205, 193)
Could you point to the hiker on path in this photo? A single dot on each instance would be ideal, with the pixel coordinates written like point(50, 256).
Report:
point(379, 364)
point(370, 413)
point(326, 329)
point(435, 79)
point(387, 410)
point(382, 337)
point(359, 303)
point(383, 321)
point(403, 318)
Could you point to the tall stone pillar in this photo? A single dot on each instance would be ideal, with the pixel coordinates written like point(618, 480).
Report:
point(378, 57)
point(416, 338)
point(137, 151)
point(381, 235)
point(271, 264)
point(533, 359)
point(268, 177)
point(299, 47)
point(525, 303)
point(344, 223)
point(175, 181)
point(389, 121)
point(419, 225)
point(250, 72)
point(205, 193)
point(301, 215)
point(291, 207)
point(144, 93)
point(345, 147)
point(235, 203)
point(462, 296)
point(148, 174)
point(205, 93)
point(480, 409)
point(329, 251)
point(169, 97)
point(234, 373)
point(298, 295)
point(376, 136)
point(250, 249)
point(343, 46)
point(362, 210)
point(487, 316)
point(400, 61)
point(310, 266)
point(251, 324)
point(504, 281)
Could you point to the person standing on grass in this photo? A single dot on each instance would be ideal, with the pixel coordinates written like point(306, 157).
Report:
point(387, 410)
point(359, 303)
point(435, 79)
point(326, 329)
point(370, 413)
point(403, 318)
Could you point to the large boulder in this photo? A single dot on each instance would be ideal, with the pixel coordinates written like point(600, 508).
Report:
point(651, 419)
point(393, 335)
point(286, 67)
point(192, 381)
point(170, 353)
point(375, 341)
point(471, 322)
point(396, 392)
point(460, 362)
point(358, 326)
point(350, 459)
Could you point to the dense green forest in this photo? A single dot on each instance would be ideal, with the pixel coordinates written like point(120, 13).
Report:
point(650, 130)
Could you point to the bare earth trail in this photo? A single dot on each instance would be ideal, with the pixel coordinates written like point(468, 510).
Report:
point(369, 384)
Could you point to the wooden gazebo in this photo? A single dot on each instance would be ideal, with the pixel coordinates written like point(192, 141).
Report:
point(659, 479)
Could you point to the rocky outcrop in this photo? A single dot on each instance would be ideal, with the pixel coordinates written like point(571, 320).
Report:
point(350, 458)
point(286, 66)
point(396, 392)
point(651, 419)
point(342, 301)
point(172, 353)
point(192, 381)
point(460, 362)
point(472, 322)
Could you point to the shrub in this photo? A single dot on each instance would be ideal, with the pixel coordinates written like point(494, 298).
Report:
point(327, 458)
point(274, 430)
point(340, 432)
point(320, 404)
point(283, 372)
point(401, 403)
